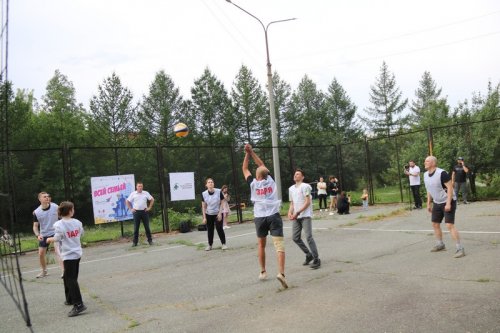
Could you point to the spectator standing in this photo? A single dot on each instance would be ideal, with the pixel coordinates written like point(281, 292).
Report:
point(413, 173)
point(212, 203)
point(332, 192)
point(459, 178)
point(225, 208)
point(321, 186)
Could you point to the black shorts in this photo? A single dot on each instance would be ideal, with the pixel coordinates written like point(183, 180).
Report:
point(438, 213)
point(269, 224)
point(43, 242)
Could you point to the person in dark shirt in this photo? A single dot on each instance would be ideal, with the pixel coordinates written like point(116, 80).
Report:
point(459, 178)
point(343, 203)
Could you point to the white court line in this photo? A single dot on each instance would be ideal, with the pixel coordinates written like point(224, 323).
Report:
point(421, 230)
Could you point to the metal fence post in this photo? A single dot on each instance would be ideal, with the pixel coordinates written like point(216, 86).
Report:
point(340, 166)
point(369, 172)
point(66, 172)
point(399, 167)
point(430, 140)
point(236, 183)
point(161, 180)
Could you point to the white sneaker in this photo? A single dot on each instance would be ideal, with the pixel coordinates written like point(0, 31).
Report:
point(208, 248)
point(282, 280)
point(331, 213)
point(321, 210)
point(263, 276)
point(224, 247)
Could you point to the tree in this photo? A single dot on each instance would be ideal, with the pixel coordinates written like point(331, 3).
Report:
point(282, 96)
point(62, 117)
point(340, 112)
point(428, 109)
point(160, 109)
point(210, 105)
point(113, 112)
point(306, 114)
point(250, 108)
point(384, 117)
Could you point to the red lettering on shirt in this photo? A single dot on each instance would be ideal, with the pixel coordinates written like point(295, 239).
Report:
point(73, 233)
point(264, 191)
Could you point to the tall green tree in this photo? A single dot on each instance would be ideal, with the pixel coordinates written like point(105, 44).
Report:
point(17, 124)
point(61, 117)
point(113, 113)
point(341, 114)
point(210, 104)
point(385, 114)
point(250, 108)
point(160, 109)
point(282, 99)
point(428, 109)
point(306, 119)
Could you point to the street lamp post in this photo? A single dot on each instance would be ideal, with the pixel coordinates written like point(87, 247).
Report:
point(274, 135)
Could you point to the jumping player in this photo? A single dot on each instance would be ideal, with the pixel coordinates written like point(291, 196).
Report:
point(266, 213)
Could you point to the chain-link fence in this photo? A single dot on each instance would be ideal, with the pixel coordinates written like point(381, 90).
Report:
point(372, 163)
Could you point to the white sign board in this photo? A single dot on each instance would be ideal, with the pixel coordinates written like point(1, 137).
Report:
point(181, 186)
point(108, 198)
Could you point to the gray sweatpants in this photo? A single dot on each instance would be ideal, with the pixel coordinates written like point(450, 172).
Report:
point(306, 224)
point(463, 188)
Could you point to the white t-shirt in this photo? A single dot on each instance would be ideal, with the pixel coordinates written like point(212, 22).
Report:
point(263, 194)
point(138, 200)
point(68, 232)
point(46, 219)
point(321, 186)
point(298, 195)
point(414, 180)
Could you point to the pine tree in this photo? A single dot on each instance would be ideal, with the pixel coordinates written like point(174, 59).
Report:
point(428, 108)
point(160, 109)
point(113, 112)
point(250, 108)
point(282, 98)
point(340, 112)
point(210, 107)
point(385, 116)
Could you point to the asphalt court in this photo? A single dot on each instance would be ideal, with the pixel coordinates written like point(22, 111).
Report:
point(377, 275)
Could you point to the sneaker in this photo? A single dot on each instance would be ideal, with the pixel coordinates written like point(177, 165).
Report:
point(150, 242)
point(208, 248)
point(460, 253)
point(67, 303)
point(77, 309)
point(309, 258)
point(134, 244)
point(321, 210)
point(42, 274)
point(226, 227)
point(282, 280)
point(316, 264)
point(465, 202)
point(263, 276)
point(224, 247)
point(438, 248)
point(331, 213)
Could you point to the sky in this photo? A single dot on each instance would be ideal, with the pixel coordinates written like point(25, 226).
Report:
point(457, 41)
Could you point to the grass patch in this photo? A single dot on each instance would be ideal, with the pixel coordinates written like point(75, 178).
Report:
point(381, 216)
point(483, 280)
point(338, 271)
point(495, 242)
point(350, 224)
point(183, 242)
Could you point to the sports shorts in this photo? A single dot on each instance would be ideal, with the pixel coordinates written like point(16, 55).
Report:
point(438, 212)
point(272, 224)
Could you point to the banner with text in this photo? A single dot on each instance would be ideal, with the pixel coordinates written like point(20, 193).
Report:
point(108, 198)
point(181, 186)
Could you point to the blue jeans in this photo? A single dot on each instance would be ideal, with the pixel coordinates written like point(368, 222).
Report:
point(144, 216)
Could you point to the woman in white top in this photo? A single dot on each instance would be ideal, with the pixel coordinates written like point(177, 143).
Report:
point(212, 202)
point(321, 186)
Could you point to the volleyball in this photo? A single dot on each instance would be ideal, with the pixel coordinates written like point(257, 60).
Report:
point(181, 130)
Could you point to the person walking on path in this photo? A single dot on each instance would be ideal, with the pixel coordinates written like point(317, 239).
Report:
point(321, 187)
point(333, 191)
point(444, 204)
point(267, 219)
point(413, 173)
point(69, 231)
point(44, 218)
point(140, 202)
point(212, 204)
point(459, 178)
point(300, 212)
